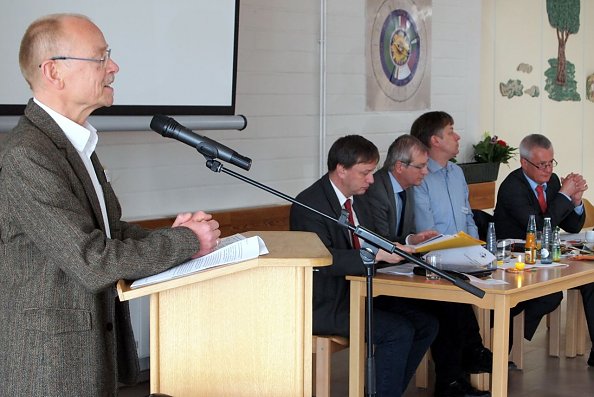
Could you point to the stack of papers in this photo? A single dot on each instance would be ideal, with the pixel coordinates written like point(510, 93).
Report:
point(232, 249)
point(404, 269)
point(464, 258)
point(512, 265)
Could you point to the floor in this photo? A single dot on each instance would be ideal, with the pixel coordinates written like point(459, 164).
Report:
point(542, 376)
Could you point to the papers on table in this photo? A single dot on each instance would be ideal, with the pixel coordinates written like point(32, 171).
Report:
point(232, 249)
point(512, 265)
point(573, 236)
point(485, 281)
point(445, 241)
point(405, 269)
point(475, 256)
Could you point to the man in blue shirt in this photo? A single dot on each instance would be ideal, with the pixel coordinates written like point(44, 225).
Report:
point(518, 198)
point(441, 200)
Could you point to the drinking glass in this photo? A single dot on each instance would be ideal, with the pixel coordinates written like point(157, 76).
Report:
point(435, 261)
point(590, 239)
point(503, 251)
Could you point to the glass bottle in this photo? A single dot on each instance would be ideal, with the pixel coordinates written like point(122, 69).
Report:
point(530, 246)
point(492, 244)
point(546, 252)
point(556, 245)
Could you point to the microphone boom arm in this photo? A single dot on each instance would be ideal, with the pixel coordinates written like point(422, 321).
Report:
point(360, 231)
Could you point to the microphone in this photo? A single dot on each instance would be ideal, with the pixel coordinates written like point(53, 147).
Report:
point(170, 128)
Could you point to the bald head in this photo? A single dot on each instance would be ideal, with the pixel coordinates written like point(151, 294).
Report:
point(67, 63)
point(44, 38)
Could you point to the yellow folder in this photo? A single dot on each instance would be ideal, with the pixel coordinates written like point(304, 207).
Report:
point(445, 241)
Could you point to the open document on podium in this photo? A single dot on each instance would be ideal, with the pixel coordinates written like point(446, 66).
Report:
point(232, 249)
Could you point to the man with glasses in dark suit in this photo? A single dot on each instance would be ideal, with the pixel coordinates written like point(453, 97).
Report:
point(458, 348)
point(534, 189)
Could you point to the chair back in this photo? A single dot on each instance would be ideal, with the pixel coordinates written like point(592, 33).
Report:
point(482, 219)
point(589, 208)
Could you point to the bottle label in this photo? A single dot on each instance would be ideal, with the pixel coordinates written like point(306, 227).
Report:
point(530, 256)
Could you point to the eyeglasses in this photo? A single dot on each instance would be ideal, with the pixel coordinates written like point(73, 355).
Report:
point(544, 165)
point(103, 60)
point(417, 166)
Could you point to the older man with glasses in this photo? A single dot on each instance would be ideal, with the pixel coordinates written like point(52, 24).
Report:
point(63, 245)
point(392, 193)
point(458, 348)
point(534, 189)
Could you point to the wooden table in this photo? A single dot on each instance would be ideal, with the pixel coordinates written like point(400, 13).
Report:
point(500, 298)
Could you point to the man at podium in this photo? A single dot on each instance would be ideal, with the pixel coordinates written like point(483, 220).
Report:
point(63, 245)
point(402, 334)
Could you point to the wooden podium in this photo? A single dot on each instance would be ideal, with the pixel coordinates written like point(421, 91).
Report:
point(237, 330)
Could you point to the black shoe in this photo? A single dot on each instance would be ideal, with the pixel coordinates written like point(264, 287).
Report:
point(460, 388)
point(591, 359)
point(511, 365)
point(478, 360)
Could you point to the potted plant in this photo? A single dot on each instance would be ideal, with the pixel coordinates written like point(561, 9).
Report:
point(489, 153)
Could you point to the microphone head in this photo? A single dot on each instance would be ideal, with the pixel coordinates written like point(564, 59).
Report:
point(162, 124)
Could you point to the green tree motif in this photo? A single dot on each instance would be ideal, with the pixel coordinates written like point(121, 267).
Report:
point(564, 16)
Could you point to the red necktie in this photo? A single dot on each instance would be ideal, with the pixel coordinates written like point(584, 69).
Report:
point(349, 208)
point(542, 201)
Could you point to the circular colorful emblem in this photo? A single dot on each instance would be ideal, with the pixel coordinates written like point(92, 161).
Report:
point(400, 47)
point(398, 50)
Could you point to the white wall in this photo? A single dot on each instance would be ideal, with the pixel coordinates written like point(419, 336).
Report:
point(278, 91)
point(515, 32)
point(454, 73)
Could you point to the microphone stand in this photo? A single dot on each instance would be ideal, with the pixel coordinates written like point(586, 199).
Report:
point(368, 251)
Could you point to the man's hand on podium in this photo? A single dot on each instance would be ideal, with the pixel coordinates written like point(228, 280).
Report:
point(204, 227)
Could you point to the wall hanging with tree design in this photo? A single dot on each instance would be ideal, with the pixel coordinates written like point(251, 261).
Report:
point(564, 16)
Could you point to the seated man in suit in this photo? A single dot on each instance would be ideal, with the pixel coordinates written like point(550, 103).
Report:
point(402, 334)
point(458, 348)
point(533, 189)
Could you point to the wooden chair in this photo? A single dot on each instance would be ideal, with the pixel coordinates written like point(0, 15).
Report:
point(422, 374)
point(554, 324)
point(589, 208)
point(323, 346)
point(517, 352)
point(480, 381)
point(575, 326)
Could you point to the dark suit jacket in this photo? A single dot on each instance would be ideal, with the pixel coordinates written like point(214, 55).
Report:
point(62, 327)
point(330, 288)
point(516, 201)
point(383, 207)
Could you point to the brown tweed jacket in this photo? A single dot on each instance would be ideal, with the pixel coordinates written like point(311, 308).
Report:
point(62, 331)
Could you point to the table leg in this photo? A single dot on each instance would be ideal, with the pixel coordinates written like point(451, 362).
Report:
point(481, 381)
point(500, 346)
point(357, 340)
